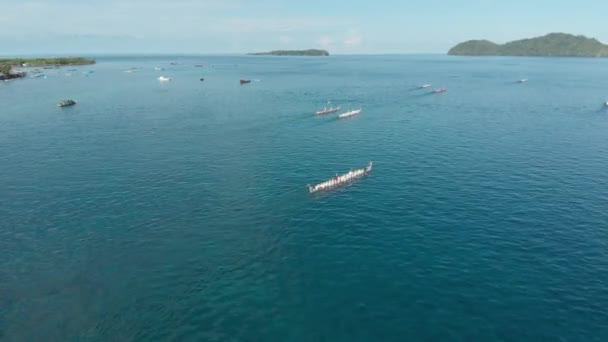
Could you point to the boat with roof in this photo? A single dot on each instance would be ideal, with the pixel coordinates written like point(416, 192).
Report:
point(349, 114)
point(66, 103)
point(328, 110)
point(340, 180)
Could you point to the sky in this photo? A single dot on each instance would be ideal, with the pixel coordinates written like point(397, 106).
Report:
point(44, 27)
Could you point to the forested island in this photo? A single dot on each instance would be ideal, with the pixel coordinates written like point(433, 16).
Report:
point(310, 52)
point(7, 64)
point(551, 45)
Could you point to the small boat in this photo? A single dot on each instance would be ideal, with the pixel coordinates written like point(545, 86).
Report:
point(202, 79)
point(349, 114)
point(66, 103)
point(606, 104)
point(245, 81)
point(198, 65)
point(439, 91)
point(158, 69)
point(164, 79)
point(38, 76)
point(340, 180)
point(523, 80)
point(426, 85)
point(327, 110)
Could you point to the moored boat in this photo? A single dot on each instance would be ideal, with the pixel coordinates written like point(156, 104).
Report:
point(439, 90)
point(245, 81)
point(340, 180)
point(66, 103)
point(349, 114)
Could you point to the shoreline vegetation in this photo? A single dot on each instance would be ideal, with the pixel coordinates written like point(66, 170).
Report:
point(7, 64)
point(310, 52)
point(550, 45)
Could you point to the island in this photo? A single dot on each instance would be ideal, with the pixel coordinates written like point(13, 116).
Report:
point(7, 64)
point(310, 52)
point(550, 45)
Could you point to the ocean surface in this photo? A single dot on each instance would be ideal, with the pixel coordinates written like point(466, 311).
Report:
point(179, 211)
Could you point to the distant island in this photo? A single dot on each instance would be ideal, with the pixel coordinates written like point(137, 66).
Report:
point(551, 45)
point(310, 52)
point(7, 64)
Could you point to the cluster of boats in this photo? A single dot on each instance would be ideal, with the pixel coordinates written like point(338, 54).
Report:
point(331, 110)
point(340, 180)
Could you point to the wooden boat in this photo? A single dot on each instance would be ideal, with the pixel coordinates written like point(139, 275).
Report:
point(349, 114)
point(327, 110)
point(340, 180)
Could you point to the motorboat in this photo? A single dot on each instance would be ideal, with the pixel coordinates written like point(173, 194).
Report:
point(245, 81)
point(523, 80)
point(349, 114)
point(426, 85)
point(158, 69)
point(164, 79)
point(66, 103)
point(340, 180)
point(439, 91)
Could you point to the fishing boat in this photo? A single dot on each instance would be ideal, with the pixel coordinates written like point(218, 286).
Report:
point(426, 85)
point(66, 103)
point(349, 114)
point(245, 81)
point(439, 91)
point(327, 110)
point(340, 180)
point(164, 79)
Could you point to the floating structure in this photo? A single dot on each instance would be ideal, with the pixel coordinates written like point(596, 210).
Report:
point(245, 81)
point(439, 91)
point(66, 103)
point(327, 110)
point(426, 85)
point(164, 79)
point(341, 180)
point(349, 114)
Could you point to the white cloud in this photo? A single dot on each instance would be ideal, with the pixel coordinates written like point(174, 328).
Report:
point(285, 39)
point(353, 39)
point(325, 41)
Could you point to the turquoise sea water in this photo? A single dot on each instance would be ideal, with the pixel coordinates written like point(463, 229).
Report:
point(179, 211)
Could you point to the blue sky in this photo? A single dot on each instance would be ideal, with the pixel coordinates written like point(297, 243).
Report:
point(237, 26)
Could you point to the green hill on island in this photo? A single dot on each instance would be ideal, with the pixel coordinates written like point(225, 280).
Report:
point(553, 44)
point(310, 52)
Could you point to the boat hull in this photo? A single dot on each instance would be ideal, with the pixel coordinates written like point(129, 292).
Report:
point(341, 180)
